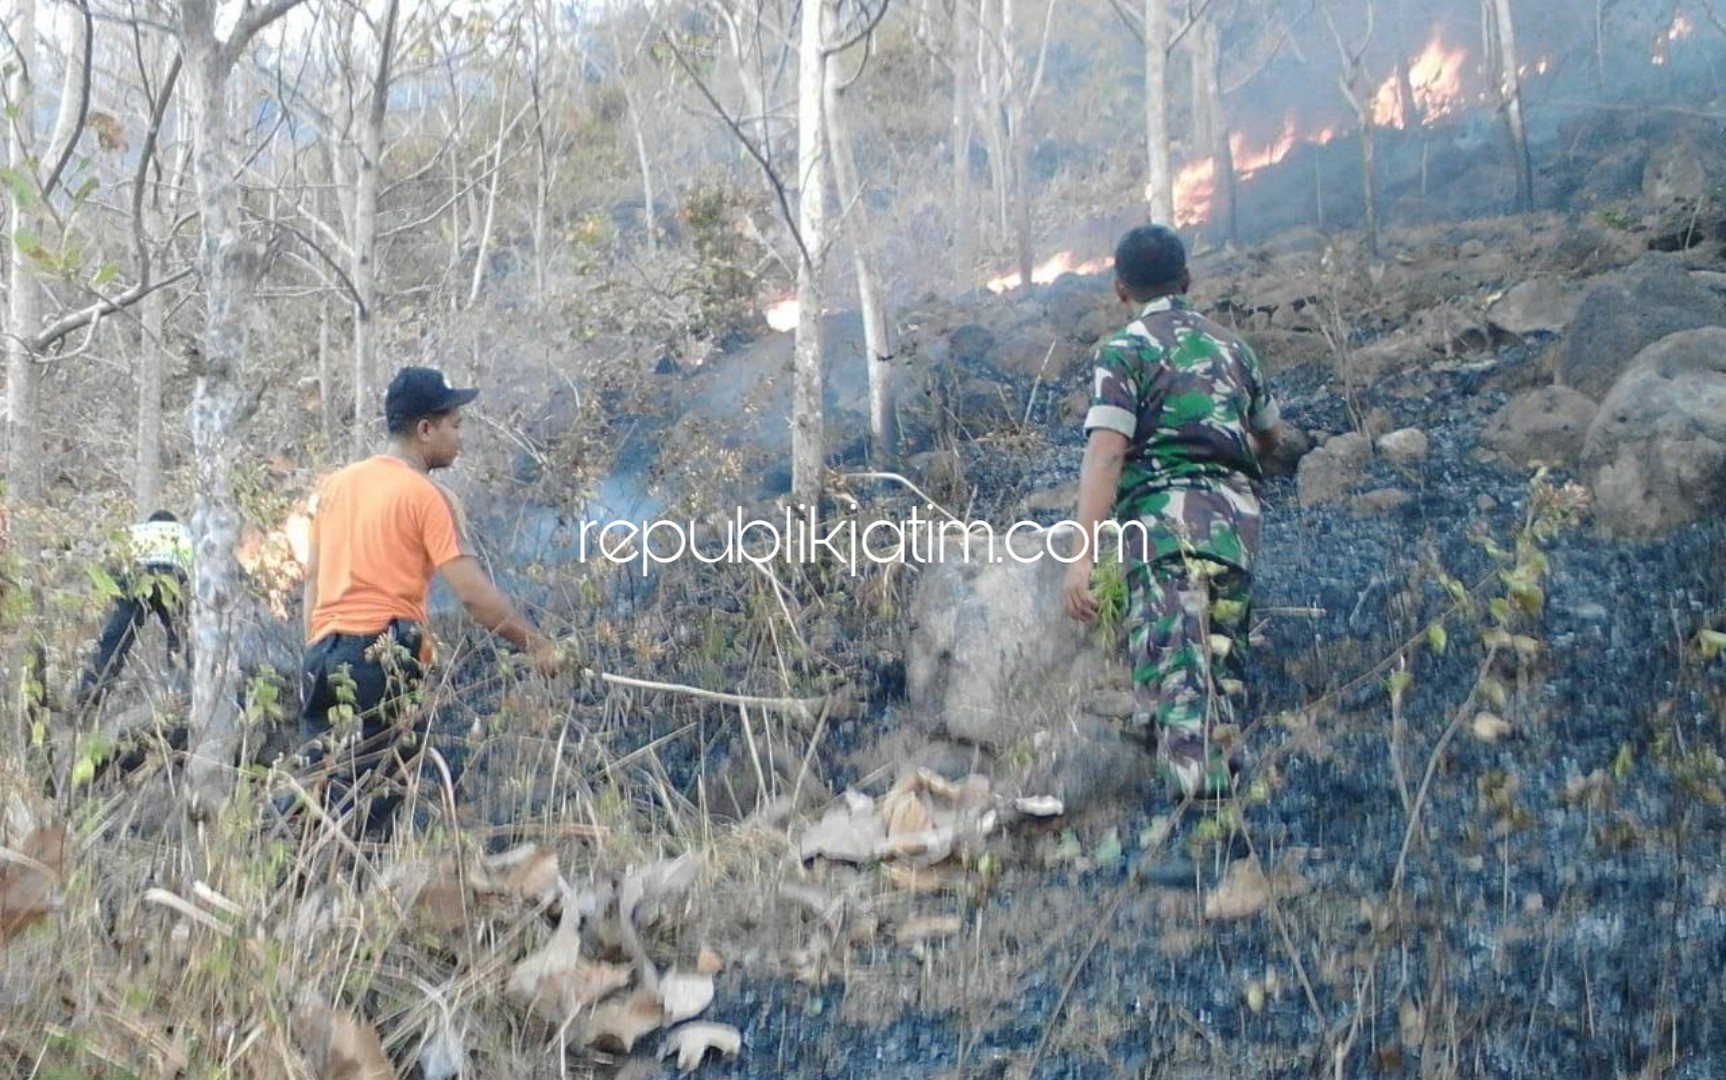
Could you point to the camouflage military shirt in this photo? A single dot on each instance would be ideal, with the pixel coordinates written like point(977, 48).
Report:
point(1186, 393)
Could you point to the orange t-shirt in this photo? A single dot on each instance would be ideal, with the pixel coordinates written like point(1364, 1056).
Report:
point(380, 529)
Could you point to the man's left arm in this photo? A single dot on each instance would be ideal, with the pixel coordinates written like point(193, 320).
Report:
point(1264, 417)
point(1099, 479)
point(1110, 426)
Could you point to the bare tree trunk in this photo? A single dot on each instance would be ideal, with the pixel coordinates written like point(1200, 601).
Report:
point(875, 343)
point(496, 178)
point(24, 301)
point(326, 381)
point(1201, 93)
point(1510, 97)
point(230, 265)
point(807, 435)
point(1369, 181)
point(1022, 202)
point(1600, 42)
point(365, 239)
point(147, 488)
point(1207, 62)
point(649, 214)
point(963, 62)
point(1160, 179)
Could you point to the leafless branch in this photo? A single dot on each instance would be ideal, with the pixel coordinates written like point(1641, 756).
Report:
point(253, 19)
point(39, 342)
point(748, 145)
point(863, 35)
point(77, 130)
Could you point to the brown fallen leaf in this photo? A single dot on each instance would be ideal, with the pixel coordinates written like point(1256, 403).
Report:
point(440, 904)
point(646, 894)
point(903, 812)
point(337, 1046)
point(923, 879)
point(926, 927)
point(684, 995)
point(848, 832)
point(557, 982)
point(528, 873)
point(617, 1024)
point(27, 883)
point(1246, 891)
point(691, 1042)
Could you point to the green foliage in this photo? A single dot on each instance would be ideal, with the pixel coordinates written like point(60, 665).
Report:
point(1109, 589)
point(724, 284)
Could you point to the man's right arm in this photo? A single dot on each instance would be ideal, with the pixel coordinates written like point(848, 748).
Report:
point(488, 606)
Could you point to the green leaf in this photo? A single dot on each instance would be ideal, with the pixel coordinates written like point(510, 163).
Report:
point(1711, 642)
point(1499, 608)
point(104, 581)
point(22, 187)
point(105, 273)
point(1624, 762)
point(1108, 851)
point(1436, 637)
point(1398, 684)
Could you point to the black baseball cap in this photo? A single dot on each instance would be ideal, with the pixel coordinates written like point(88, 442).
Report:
point(422, 391)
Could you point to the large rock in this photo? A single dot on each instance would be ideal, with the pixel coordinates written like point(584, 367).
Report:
point(1544, 426)
point(1331, 471)
point(1657, 448)
point(1538, 305)
point(991, 656)
point(1630, 311)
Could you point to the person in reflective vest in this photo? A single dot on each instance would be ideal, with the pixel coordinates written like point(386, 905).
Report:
point(156, 579)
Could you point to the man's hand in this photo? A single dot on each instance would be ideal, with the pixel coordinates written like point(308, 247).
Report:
point(1081, 605)
point(545, 657)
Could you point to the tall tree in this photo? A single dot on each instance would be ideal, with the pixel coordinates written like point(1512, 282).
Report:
point(231, 264)
point(1502, 33)
point(807, 434)
point(855, 215)
point(1160, 177)
point(369, 169)
point(962, 59)
point(1355, 89)
point(24, 293)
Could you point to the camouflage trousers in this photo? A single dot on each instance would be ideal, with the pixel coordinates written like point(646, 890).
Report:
point(1187, 624)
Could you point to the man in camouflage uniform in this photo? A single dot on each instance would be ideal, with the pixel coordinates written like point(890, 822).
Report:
point(1180, 417)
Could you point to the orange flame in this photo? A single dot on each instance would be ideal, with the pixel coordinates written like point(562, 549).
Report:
point(1434, 77)
point(1196, 183)
point(1047, 271)
point(782, 315)
point(278, 558)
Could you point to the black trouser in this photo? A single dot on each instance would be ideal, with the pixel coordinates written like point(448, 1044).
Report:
point(370, 673)
point(158, 590)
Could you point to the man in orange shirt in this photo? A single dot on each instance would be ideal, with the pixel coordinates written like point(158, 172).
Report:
point(381, 528)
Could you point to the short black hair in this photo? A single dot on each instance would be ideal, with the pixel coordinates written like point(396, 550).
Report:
point(163, 515)
point(1150, 259)
point(403, 426)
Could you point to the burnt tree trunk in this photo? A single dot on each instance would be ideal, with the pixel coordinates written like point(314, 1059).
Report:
point(1510, 102)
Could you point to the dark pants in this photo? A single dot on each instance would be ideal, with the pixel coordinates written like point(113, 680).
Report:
point(162, 592)
point(360, 722)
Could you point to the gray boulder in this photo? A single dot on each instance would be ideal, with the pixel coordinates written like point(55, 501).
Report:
point(991, 656)
point(1331, 471)
point(1627, 312)
point(1544, 426)
point(1657, 447)
point(1538, 305)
